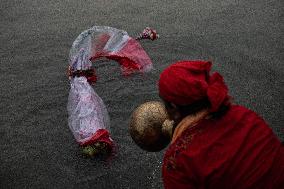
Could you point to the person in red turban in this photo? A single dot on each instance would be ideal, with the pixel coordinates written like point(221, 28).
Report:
point(215, 144)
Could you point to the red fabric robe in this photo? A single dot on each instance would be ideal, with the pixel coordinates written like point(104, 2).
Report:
point(237, 150)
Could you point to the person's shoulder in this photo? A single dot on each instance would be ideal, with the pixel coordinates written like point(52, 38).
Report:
point(240, 108)
point(244, 113)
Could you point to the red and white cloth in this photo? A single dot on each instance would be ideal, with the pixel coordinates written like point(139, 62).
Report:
point(114, 44)
point(88, 117)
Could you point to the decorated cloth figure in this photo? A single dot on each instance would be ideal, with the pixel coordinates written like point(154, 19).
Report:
point(88, 117)
point(215, 144)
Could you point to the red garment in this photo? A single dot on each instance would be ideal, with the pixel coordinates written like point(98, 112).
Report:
point(102, 135)
point(186, 82)
point(237, 150)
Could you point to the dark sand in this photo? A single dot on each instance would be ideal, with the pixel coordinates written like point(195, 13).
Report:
point(244, 38)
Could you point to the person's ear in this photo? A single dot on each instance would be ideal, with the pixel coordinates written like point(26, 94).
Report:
point(174, 112)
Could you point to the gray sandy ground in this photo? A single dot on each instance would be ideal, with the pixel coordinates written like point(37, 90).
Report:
point(244, 39)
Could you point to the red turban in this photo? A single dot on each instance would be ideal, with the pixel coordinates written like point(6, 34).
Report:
point(186, 82)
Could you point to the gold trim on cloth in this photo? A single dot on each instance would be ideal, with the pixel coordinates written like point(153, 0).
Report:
point(189, 121)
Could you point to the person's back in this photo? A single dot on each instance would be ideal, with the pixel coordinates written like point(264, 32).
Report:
point(236, 150)
point(215, 144)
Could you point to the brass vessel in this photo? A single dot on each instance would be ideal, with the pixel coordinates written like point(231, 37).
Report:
point(149, 126)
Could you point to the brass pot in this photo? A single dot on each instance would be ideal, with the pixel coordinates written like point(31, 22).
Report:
point(149, 126)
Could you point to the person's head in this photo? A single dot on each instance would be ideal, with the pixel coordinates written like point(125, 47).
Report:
point(178, 112)
point(187, 87)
